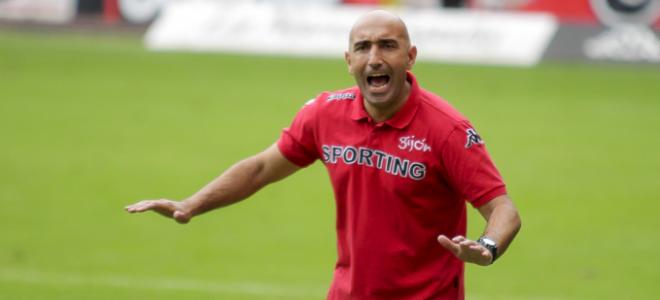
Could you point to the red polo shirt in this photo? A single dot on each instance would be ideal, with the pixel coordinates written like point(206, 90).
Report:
point(398, 185)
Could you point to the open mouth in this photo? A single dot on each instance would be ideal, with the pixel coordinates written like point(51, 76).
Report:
point(378, 80)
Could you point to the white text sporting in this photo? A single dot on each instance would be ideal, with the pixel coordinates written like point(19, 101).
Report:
point(378, 159)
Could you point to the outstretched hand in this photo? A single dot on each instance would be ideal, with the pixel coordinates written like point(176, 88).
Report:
point(467, 250)
point(168, 208)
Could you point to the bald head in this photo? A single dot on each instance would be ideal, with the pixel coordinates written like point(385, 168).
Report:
point(378, 22)
point(379, 56)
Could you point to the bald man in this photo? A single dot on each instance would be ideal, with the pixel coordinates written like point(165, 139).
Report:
point(403, 164)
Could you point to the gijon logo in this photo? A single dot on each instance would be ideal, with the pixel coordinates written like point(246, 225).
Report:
point(410, 143)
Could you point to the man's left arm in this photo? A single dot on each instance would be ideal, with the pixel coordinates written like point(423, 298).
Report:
point(503, 223)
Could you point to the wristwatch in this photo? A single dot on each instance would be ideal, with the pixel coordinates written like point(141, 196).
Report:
point(490, 245)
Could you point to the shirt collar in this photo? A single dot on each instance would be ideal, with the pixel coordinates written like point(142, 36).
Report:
point(401, 118)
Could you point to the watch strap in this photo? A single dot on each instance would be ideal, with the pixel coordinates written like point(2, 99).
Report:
point(490, 245)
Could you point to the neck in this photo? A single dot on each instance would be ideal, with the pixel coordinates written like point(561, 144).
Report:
point(386, 111)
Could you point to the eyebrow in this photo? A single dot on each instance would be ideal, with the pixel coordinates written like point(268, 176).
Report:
point(379, 41)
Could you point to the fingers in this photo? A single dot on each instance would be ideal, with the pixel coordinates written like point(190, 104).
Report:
point(162, 206)
point(460, 243)
point(478, 247)
point(465, 245)
point(140, 206)
point(167, 208)
point(466, 250)
point(476, 253)
point(450, 245)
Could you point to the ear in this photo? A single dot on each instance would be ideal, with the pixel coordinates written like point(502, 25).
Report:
point(412, 57)
point(347, 57)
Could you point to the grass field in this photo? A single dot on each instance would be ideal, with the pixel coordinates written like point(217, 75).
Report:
point(89, 124)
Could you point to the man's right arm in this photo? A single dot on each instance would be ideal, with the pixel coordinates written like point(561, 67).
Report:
point(237, 183)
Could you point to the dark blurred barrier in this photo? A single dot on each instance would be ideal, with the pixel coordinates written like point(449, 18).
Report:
point(596, 30)
point(604, 30)
point(623, 43)
point(584, 12)
point(90, 6)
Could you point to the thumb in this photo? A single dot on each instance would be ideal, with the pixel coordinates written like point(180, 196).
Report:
point(181, 217)
point(449, 244)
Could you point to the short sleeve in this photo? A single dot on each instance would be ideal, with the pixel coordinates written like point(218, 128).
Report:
point(297, 142)
point(469, 168)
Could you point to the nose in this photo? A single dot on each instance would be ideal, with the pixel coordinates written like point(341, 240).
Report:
point(375, 58)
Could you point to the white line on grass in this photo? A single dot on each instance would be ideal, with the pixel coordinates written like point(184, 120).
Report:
point(131, 282)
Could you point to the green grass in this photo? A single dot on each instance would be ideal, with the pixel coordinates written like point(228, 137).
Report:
point(90, 124)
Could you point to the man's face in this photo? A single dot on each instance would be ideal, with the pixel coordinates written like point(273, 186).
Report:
point(379, 55)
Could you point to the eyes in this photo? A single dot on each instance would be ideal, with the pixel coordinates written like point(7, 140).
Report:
point(363, 46)
point(390, 45)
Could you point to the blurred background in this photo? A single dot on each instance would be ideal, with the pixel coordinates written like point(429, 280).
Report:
point(107, 102)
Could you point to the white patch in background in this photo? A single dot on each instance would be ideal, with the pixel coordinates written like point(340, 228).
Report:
point(44, 11)
point(457, 36)
point(629, 43)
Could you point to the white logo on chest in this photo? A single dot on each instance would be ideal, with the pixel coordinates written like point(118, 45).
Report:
point(410, 143)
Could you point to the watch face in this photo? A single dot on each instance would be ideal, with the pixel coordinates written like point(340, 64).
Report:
point(490, 245)
point(488, 242)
